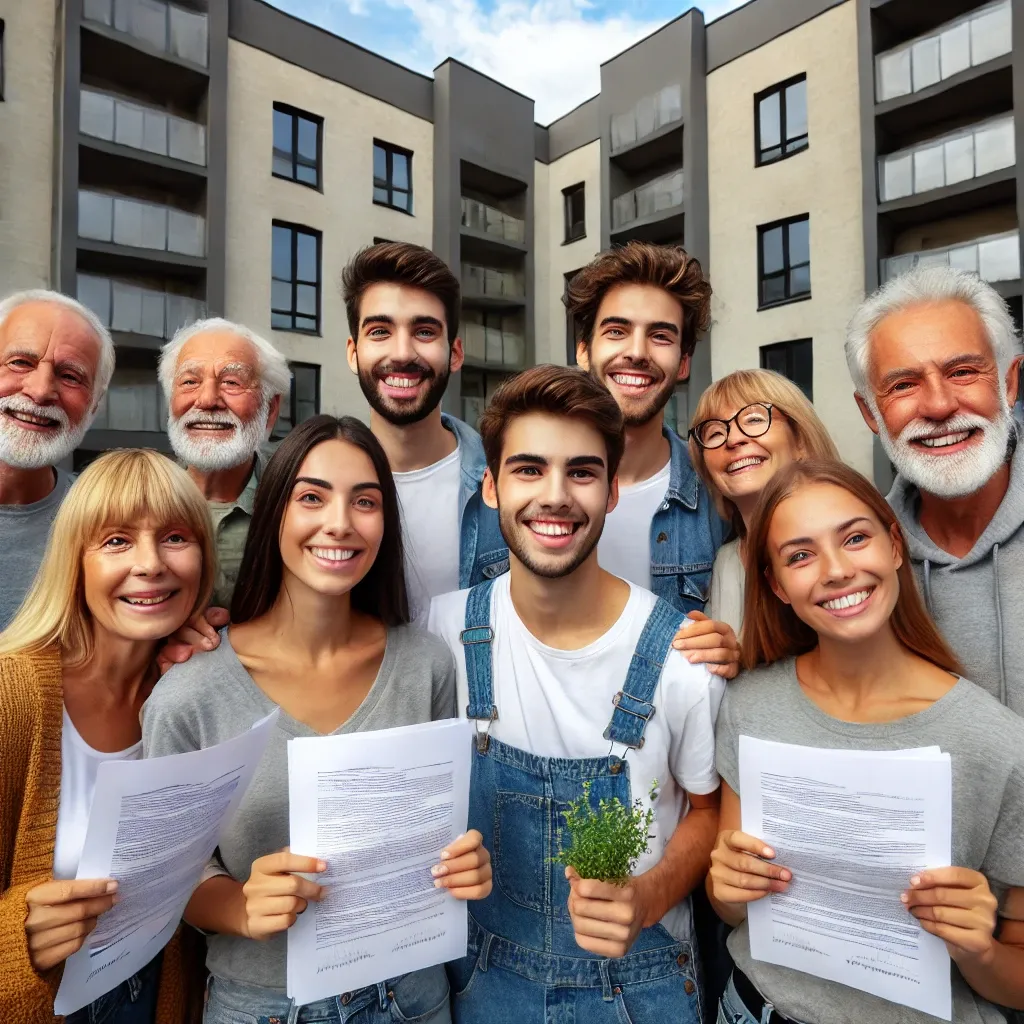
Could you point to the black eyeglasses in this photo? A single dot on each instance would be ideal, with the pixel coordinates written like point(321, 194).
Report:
point(753, 420)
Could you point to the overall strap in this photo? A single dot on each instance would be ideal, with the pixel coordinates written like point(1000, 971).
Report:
point(633, 707)
point(477, 638)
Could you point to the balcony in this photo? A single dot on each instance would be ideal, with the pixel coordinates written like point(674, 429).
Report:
point(493, 340)
point(649, 116)
point(647, 201)
point(167, 28)
point(140, 225)
point(147, 129)
point(137, 309)
point(956, 47)
point(501, 287)
point(134, 401)
point(483, 219)
point(995, 259)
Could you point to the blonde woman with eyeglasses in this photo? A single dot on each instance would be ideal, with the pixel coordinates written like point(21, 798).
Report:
point(130, 559)
point(746, 427)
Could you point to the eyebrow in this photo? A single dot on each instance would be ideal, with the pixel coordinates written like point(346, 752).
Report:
point(841, 528)
point(525, 459)
point(63, 364)
point(657, 325)
point(970, 358)
point(315, 481)
point(417, 321)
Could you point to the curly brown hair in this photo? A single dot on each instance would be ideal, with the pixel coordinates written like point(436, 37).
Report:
point(669, 267)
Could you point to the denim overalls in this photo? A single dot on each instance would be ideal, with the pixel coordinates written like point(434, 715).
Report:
point(524, 966)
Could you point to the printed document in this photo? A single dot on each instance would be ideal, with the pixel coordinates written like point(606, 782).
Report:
point(378, 808)
point(153, 826)
point(853, 826)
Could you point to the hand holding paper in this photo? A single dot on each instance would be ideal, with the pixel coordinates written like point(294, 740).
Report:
point(741, 871)
point(465, 868)
point(275, 894)
point(61, 914)
point(957, 905)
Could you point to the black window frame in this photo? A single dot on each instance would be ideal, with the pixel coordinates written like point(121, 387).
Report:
point(785, 152)
point(293, 365)
point(296, 230)
point(574, 229)
point(296, 114)
point(790, 348)
point(1, 60)
point(787, 267)
point(571, 358)
point(390, 149)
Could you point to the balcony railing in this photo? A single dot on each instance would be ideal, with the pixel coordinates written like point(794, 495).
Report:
point(495, 340)
point(497, 284)
point(650, 114)
point(140, 224)
point(134, 401)
point(974, 39)
point(994, 258)
point(131, 124)
point(166, 27)
point(969, 153)
point(661, 194)
point(137, 309)
point(478, 216)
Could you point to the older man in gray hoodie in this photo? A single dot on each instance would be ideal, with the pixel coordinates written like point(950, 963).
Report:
point(935, 357)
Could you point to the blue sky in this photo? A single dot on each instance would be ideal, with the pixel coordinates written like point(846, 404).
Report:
point(547, 49)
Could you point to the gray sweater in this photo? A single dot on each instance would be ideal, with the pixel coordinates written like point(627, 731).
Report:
point(211, 698)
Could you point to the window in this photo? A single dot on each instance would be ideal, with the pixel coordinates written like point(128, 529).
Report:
point(1, 58)
point(392, 176)
point(295, 279)
point(297, 138)
point(780, 120)
point(784, 261)
point(570, 326)
point(793, 359)
point(574, 199)
point(302, 400)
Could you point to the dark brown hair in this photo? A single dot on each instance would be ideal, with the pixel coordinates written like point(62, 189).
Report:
point(771, 629)
point(560, 391)
point(400, 263)
point(668, 267)
point(381, 592)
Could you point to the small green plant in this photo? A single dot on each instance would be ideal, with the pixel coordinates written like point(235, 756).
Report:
point(605, 844)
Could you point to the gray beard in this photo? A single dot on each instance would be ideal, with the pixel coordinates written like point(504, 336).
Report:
point(215, 453)
point(26, 449)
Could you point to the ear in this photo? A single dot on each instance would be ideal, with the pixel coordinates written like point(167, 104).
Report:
point(866, 413)
point(1013, 380)
point(613, 495)
point(489, 490)
point(583, 355)
point(897, 545)
point(350, 355)
point(456, 357)
point(774, 584)
point(684, 369)
point(273, 413)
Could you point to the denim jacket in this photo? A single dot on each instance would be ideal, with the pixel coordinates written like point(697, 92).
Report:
point(686, 533)
point(483, 553)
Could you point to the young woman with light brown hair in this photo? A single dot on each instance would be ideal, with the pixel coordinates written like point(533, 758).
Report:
point(843, 655)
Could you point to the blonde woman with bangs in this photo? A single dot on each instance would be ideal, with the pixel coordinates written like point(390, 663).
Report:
point(129, 559)
point(746, 427)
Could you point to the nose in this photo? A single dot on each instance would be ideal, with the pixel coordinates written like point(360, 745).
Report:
point(937, 398)
point(337, 518)
point(208, 396)
point(555, 491)
point(835, 565)
point(636, 346)
point(735, 437)
point(148, 560)
point(40, 384)
point(404, 350)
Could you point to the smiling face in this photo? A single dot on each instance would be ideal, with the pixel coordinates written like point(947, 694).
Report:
point(940, 408)
point(333, 523)
point(402, 356)
point(141, 581)
point(834, 562)
point(552, 492)
point(49, 358)
point(636, 350)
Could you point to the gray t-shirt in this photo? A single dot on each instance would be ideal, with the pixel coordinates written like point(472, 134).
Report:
point(24, 530)
point(211, 698)
point(985, 742)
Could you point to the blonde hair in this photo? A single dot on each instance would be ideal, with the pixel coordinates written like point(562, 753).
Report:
point(744, 387)
point(120, 488)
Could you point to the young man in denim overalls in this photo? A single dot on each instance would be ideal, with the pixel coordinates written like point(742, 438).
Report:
point(569, 674)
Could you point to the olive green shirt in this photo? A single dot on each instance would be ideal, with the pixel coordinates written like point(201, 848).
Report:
point(231, 527)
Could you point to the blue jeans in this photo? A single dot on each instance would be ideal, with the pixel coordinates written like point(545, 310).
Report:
point(732, 1009)
point(421, 996)
point(132, 1002)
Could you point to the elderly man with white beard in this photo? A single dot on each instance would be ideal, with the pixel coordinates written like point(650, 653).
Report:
point(56, 361)
point(935, 357)
point(223, 385)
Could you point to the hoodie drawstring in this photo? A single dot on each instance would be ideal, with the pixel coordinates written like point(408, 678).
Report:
point(999, 626)
point(928, 587)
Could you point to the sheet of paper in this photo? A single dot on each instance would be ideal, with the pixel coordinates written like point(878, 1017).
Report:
point(153, 826)
point(378, 808)
point(853, 827)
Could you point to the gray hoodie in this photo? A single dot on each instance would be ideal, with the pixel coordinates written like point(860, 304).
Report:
point(978, 600)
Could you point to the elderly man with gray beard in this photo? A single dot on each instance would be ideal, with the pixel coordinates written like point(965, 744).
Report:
point(56, 361)
point(223, 385)
point(935, 358)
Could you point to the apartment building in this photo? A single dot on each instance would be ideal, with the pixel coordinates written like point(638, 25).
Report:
point(166, 159)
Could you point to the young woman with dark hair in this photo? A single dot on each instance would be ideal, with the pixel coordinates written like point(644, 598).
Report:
point(844, 656)
point(320, 630)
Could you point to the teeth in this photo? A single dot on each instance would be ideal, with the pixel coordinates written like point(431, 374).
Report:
point(631, 380)
point(148, 600)
point(26, 417)
point(750, 460)
point(401, 382)
point(552, 529)
point(848, 601)
point(946, 440)
point(333, 554)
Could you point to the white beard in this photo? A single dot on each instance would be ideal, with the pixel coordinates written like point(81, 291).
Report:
point(950, 476)
point(28, 449)
point(217, 451)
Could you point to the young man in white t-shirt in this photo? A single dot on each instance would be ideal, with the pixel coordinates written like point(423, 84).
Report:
point(570, 675)
point(402, 303)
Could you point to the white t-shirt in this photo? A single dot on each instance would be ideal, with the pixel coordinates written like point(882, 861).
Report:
point(429, 499)
point(625, 546)
point(556, 703)
point(79, 764)
point(728, 586)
